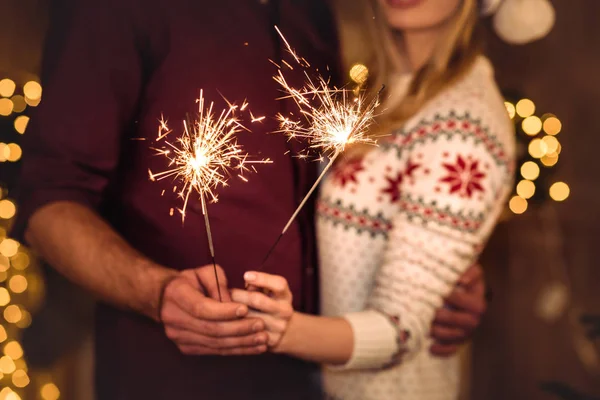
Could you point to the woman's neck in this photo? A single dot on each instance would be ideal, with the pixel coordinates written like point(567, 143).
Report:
point(418, 45)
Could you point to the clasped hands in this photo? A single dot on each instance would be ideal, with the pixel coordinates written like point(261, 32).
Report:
point(255, 320)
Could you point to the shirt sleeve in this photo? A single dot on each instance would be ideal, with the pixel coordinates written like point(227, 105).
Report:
point(91, 80)
point(452, 192)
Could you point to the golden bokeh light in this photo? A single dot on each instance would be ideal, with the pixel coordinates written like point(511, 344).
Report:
point(3, 335)
point(12, 396)
point(4, 297)
point(4, 263)
point(20, 378)
point(510, 108)
point(530, 170)
point(549, 160)
point(33, 90)
point(517, 205)
point(526, 189)
point(551, 144)
point(532, 125)
point(21, 123)
point(33, 103)
point(7, 365)
point(525, 108)
point(4, 152)
point(21, 364)
point(20, 261)
point(7, 209)
point(12, 314)
point(25, 320)
point(13, 350)
point(7, 87)
point(552, 126)
point(9, 247)
point(537, 148)
point(15, 152)
point(17, 284)
point(559, 191)
point(50, 392)
point(6, 107)
point(359, 73)
point(19, 104)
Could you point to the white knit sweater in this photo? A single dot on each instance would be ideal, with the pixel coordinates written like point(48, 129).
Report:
point(397, 228)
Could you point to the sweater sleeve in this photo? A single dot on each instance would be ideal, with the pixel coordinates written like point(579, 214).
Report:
point(451, 192)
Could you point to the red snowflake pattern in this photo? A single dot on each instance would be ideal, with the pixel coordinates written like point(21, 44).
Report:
point(346, 172)
point(464, 177)
point(394, 182)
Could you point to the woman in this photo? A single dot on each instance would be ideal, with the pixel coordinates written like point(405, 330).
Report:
point(399, 223)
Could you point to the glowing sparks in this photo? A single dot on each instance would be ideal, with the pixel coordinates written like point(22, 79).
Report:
point(205, 153)
point(328, 118)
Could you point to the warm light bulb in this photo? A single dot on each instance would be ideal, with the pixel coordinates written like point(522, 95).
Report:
point(559, 191)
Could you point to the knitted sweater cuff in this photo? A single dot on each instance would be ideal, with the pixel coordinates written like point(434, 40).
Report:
point(375, 340)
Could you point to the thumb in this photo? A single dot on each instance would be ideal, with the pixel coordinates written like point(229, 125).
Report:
point(214, 281)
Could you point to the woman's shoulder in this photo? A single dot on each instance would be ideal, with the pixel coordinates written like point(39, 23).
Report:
point(474, 101)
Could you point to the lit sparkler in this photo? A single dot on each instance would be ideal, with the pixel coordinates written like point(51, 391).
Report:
point(204, 156)
point(329, 119)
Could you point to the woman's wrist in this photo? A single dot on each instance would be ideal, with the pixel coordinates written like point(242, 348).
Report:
point(286, 344)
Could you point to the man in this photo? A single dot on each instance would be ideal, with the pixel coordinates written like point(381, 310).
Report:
point(112, 69)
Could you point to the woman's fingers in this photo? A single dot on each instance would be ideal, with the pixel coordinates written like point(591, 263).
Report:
point(276, 284)
point(262, 302)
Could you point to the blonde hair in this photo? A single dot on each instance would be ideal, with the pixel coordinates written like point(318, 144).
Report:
point(453, 56)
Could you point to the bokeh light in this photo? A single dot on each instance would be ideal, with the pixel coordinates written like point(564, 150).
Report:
point(526, 189)
point(50, 392)
point(20, 378)
point(552, 126)
point(530, 170)
point(12, 314)
point(517, 205)
point(359, 73)
point(17, 283)
point(15, 152)
point(4, 297)
point(550, 159)
point(3, 335)
point(9, 247)
point(7, 209)
point(21, 123)
point(532, 125)
point(6, 107)
point(525, 108)
point(559, 191)
point(20, 261)
point(19, 104)
point(510, 108)
point(537, 148)
point(7, 365)
point(7, 87)
point(13, 350)
point(32, 90)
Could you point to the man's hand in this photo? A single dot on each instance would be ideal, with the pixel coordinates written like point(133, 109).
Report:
point(454, 324)
point(199, 324)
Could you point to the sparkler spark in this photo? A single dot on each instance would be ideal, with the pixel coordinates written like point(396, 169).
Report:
point(204, 156)
point(329, 119)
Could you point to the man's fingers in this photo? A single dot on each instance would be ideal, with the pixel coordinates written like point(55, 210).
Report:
point(445, 333)
point(467, 301)
point(273, 283)
point(239, 351)
point(443, 350)
point(471, 275)
point(207, 278)
point(456, 319)
point(174, 317)
point(186, 338)
point(190, 300)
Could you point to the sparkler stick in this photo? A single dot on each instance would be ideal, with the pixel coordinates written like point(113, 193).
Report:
point(331, 121)
point(203, 157)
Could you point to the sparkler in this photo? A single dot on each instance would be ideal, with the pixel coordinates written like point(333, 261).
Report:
point(203, 157)
point(329, 119)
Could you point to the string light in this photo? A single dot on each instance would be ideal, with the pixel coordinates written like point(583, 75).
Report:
point(542, 149)
point(17, 289)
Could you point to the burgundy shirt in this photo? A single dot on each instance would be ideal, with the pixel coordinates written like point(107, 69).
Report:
point(112, 68)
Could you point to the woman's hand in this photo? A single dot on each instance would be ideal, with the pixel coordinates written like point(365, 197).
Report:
point(270, 299)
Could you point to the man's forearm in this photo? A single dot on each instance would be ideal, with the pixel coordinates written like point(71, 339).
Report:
point(82, 246)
